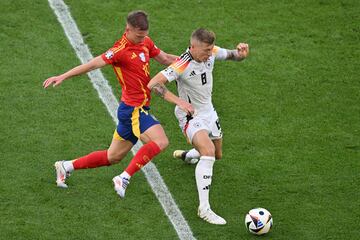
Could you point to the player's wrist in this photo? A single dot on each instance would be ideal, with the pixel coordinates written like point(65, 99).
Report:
point(235, 55)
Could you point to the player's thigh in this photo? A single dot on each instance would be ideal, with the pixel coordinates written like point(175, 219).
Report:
point(202, 142)
point(218, 148)
point(156, 134)
point(128, 124)
point(118, 149)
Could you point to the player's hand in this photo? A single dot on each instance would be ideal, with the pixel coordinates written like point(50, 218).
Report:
point(243, 50)
point(186, 107)
point(53, 81)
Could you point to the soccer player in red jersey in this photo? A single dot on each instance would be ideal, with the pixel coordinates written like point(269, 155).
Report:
point(129, 58)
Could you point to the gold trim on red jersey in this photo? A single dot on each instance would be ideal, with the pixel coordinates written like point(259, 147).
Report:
point(135, 122)
point(121, 46)
point(120, 76)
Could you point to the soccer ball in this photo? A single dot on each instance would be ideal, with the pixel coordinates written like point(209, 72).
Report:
point(258, 221)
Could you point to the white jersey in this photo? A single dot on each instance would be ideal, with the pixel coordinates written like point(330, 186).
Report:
point(194, 79)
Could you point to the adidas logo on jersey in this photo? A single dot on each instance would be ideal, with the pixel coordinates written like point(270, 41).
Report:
point(192, 73)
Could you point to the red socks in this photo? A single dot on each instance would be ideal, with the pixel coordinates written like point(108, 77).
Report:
point(99, 159)
point(142, 157)
point(92, 160)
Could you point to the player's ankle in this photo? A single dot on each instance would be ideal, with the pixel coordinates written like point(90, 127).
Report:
point(68, 165)
point(124, 174)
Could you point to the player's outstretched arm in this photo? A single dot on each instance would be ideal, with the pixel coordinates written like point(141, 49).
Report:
point(157, 85)
point(165, 58)
point(238, 54)
point(95, 63)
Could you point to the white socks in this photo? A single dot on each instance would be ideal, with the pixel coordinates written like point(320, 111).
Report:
point(124, 174)
point(203, 175)
point(68, 165)
point(193, 153)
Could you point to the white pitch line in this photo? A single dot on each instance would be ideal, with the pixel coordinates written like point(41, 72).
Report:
point(107, 97)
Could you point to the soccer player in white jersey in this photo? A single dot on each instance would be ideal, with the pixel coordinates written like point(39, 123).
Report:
point(194, 109)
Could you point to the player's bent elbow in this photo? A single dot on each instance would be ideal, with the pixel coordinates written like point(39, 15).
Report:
point(150, 85)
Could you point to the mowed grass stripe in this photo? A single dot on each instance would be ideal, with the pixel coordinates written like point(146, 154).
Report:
point(105, 93)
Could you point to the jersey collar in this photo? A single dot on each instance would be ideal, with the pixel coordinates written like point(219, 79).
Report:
point(188, 51)
point(130, 42)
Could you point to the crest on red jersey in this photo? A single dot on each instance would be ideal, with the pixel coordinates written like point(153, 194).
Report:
point(142, 57)
point(109, 54)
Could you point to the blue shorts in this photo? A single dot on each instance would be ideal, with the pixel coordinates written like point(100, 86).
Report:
point(133, 121)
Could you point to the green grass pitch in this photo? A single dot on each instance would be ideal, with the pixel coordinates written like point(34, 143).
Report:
point(290, 115)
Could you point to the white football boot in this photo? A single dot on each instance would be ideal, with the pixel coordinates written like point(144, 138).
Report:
point(181, 154)
point(61, 174)
point(120, 185)
point(208, 215)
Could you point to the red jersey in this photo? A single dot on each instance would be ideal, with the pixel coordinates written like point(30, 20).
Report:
point(131, 66)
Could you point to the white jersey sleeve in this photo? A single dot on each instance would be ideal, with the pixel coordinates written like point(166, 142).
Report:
point(219, 53)
point(170, 73)
point(175, 70)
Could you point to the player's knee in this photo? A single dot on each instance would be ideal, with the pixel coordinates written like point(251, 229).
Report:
point(115, 157)
point(208, 151)
point(162, 143)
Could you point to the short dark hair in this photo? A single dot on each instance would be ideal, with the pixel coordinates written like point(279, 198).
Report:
point(138, 19)
point(203, 35)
